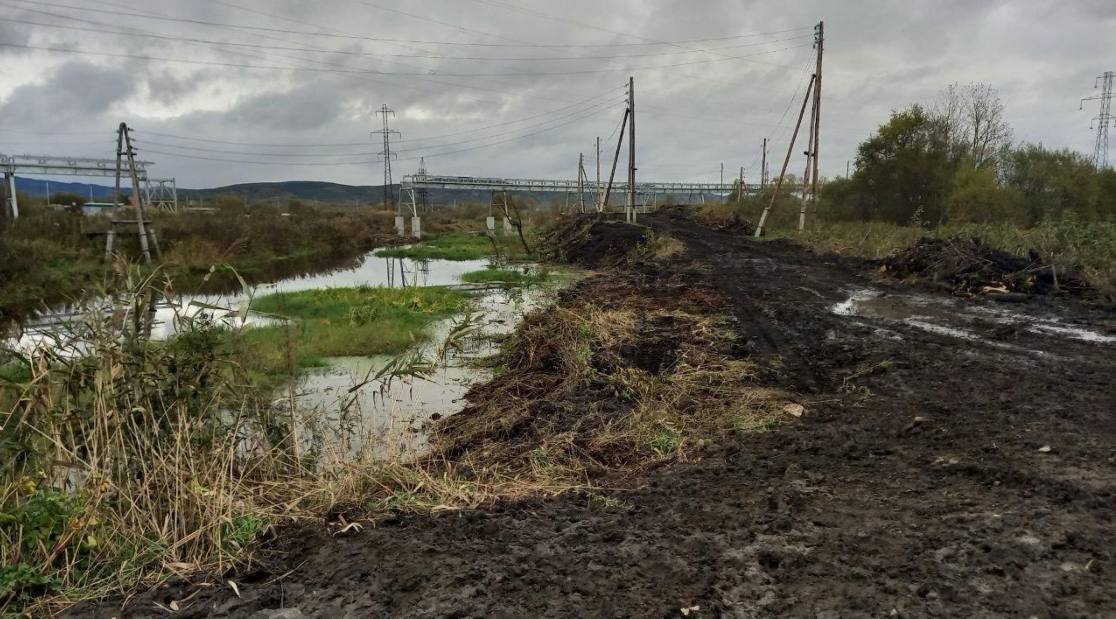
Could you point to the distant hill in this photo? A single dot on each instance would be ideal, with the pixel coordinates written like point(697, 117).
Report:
point(37, 187)
point(287, 190)
point(293, 190)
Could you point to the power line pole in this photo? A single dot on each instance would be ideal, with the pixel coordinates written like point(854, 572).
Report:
point(819, 44)
point(810, 176)
point(125, 152)
point(598, 192)
point(389, 194)
point(786, 162)
point(740, 189)
point(615, 158)
point(763, 167)
point(423, 197)
point(631, 151)
point(1104, 118)
point(581, 182)
point(723, 177)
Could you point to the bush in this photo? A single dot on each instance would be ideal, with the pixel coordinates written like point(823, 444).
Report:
point(976, 197)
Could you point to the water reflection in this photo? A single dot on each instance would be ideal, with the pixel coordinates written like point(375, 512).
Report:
point(54, 329)
point(373, 406)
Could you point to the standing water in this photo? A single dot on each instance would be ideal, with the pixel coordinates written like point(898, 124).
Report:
point(378, 405)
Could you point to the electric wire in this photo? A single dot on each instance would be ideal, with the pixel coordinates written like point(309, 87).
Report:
point(255, 28)
point(369, 162)
point(363, 53)
point(140, 140)
point(83, 52)
point(141, 132)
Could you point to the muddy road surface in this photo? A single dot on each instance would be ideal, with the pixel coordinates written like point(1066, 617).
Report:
point(952, 458)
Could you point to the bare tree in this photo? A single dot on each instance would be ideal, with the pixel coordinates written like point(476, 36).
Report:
point(971, 119)
point(985, 115)
point(948, 113)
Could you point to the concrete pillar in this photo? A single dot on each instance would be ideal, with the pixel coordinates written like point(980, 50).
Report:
point(400, 225)
point(490, 223)
point(507, 226)
point(416, 227)
point(13, 199)
point(110, 241)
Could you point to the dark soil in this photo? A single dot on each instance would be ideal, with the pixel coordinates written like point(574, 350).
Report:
point(592, 241)
point(969, 266)
point(930, 476)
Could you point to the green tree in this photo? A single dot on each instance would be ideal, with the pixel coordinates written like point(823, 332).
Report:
point(978, 197)
point(1054, 183)
point(904, 171)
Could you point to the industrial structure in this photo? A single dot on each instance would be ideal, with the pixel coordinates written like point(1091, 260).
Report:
point(161, 193)
point(1103, 120)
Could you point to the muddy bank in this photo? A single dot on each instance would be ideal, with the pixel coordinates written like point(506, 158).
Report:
point(925, 474)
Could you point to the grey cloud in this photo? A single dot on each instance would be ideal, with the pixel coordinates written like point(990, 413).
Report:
point(76, 93)
point(881, 55)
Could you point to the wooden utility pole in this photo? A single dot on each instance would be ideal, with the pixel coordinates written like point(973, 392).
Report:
point(723, 177)
point(615, 158)
point(819, 43)
point(631, 152)
point(125, 151)
point(597, 191)
point(763, 167)
point(119, 154)
point(740, 190)
point(786, 162)
point(810, 176)
point(581, 182)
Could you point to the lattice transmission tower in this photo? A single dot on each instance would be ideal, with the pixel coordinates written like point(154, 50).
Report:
point(1103, 120)
point(389, 193)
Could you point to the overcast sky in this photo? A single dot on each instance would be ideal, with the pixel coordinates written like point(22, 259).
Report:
point(506, 88)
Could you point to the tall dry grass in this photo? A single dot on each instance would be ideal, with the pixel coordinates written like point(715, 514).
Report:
point(125, 461)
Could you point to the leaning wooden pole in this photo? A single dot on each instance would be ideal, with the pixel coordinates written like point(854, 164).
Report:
point(786, 161)
point(809, 185)
point(615, 158)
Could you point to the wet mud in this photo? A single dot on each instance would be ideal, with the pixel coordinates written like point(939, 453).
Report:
point(927, 474)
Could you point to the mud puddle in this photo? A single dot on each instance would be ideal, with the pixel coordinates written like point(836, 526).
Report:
point(962, 320)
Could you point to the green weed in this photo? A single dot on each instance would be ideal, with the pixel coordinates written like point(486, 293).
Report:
point(457, 246)
point(515, 277)
point(666, 440)
point(338, 322)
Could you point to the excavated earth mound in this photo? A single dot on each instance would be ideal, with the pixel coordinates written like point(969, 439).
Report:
point(594, 242)
point(968, 266)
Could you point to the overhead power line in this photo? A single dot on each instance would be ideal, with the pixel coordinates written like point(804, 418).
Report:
point(579, 112)
point(100, 31)
point(83, 52)
point(364, 144)
point(310, 33)
point(373, 161)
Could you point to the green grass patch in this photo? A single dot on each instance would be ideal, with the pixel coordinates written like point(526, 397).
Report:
point(515, 277)
point(339, 322)
point(14, 372)
point(454, 246)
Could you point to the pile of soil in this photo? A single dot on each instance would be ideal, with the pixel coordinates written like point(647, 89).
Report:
point(968, 266)
point(594, 242)
point(570, 375)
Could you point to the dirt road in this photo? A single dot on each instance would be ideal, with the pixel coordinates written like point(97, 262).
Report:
point(956, 458)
